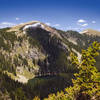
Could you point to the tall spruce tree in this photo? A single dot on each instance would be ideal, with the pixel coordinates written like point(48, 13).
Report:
point(86, 85)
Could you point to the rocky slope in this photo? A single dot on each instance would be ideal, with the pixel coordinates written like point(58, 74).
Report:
point(39, 55)
point(35, 49)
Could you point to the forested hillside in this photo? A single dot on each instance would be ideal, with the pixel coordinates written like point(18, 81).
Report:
point(35, 60)
point(86, 85)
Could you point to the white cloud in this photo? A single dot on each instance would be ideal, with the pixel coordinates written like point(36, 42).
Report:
point(81, 21)
point(48, 23)
point(84, 25)
point(53, 25)
point(74, 28)
point(93, 22)
point(56, 25)
point(6, 24)
point(17, 18)
point(21, 23)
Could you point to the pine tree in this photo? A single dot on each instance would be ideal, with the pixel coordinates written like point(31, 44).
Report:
point(87, 82)
point(86, 85)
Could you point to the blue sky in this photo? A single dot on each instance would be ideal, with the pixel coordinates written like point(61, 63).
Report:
point(62, 14)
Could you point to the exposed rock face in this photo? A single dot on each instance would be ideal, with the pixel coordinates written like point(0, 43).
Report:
point(37, 49)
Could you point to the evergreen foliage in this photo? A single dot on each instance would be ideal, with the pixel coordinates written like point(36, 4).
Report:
point(86, 85)
point(7, 39)
point(56, 70)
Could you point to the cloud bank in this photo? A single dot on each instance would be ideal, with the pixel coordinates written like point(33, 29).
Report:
point(6, 24)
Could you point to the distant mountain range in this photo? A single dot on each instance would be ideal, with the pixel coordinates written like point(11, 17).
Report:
point(39, 55)
point(91, 32)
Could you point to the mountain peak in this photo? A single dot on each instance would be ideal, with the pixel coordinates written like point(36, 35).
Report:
point(34, 25)
point(17, 27)
point(91, 32)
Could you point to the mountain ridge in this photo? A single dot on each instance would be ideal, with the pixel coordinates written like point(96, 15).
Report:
point(91, 32)
point(38, 55)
